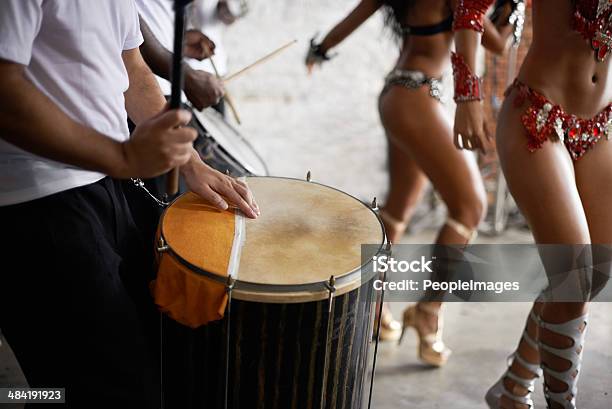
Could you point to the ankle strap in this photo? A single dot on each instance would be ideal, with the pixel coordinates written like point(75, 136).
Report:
point(468, 234)
point(392, 221)
point(573, 354)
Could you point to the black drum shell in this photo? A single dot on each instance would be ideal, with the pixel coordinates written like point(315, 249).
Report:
point(276, 356)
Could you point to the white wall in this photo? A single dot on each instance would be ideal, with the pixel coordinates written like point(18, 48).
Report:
point(327, 123)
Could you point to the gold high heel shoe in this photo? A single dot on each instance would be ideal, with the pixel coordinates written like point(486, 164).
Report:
point(390, 329)
point(431, 349)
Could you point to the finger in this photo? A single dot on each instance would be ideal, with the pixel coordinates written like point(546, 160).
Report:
point(467, 143)
point(173, 118)
point(456, 140)
point(230, 193)
point(462, 143)
point(489, 130)
point(213, 198)
point(244, 183)
point(244, 191)
point(183, 135)
point(479, 140)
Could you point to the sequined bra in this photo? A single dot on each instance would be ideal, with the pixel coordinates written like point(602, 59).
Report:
point(593, 19)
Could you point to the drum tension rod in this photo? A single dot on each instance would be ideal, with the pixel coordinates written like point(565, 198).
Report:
point(229, 286)
point(374, 204)
point(308, 176)
point(331, 287)
point(162, 247)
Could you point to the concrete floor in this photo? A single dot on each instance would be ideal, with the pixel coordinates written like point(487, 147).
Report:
point(481, 337)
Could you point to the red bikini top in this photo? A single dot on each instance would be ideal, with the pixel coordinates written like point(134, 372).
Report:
point(593, 19)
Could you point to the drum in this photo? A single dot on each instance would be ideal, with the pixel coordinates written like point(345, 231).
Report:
point(222, 147)
point(296, 321)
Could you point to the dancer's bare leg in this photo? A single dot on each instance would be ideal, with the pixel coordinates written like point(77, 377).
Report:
point(550, 200)
point(416, 124)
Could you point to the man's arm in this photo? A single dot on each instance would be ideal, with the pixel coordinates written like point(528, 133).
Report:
point(144, 98)
point(36, 124)
point(202, 89)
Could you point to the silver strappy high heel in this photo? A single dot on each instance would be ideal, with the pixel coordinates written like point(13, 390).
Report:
point(575, 330)
point(498, 390)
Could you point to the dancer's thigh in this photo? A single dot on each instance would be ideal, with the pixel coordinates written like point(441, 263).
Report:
point(417, 123)
point(542, 183)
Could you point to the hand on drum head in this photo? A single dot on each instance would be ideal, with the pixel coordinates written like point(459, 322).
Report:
point(198, 46)
point(203, 89)
point(217, 189)
point(158, 145)
point(471, 132)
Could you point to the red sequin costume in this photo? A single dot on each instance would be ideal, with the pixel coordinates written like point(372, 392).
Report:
point(469, 15)
point(593, 19)
point(544, 120)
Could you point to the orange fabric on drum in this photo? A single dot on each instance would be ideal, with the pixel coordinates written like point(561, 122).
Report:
point(203, 236)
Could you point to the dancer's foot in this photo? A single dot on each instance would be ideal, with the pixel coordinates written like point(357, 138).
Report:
point(426, 319)
point(513, 390)
point(390, 328)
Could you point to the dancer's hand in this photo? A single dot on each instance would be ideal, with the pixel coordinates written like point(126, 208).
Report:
point(471, 131)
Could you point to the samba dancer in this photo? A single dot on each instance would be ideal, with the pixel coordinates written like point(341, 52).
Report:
point(71, 311)
point(552, 141)
point(420, 138)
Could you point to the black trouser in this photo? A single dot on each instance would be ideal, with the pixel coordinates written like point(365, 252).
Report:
point(74, 303)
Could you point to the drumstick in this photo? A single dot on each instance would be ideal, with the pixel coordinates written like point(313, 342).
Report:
point(260, 61)
point(228, 98)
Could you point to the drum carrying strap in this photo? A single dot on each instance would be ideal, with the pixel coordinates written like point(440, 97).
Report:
point(188, 297)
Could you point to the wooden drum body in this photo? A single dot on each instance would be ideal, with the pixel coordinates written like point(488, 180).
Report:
point(292, 336)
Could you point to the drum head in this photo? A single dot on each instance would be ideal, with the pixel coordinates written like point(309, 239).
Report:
point(306, 233)
point(231, 141)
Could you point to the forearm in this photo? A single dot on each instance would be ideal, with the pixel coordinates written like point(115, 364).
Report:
point(468, 25)
point(350, 23)
point(495, 37)
point(157, 57)
point(466, 45)
point(144, 98)
point(31, 121)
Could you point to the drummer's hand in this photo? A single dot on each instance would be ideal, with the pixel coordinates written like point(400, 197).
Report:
point(470, 130)
point(197, 45)
point(217, 188)
point(203, 89)
point(158, 145)
point(224, 13)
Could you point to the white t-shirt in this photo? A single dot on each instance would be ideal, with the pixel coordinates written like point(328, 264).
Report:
point(159, 16)
point(72, 52)
point(201, 15)
point(204, 18)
